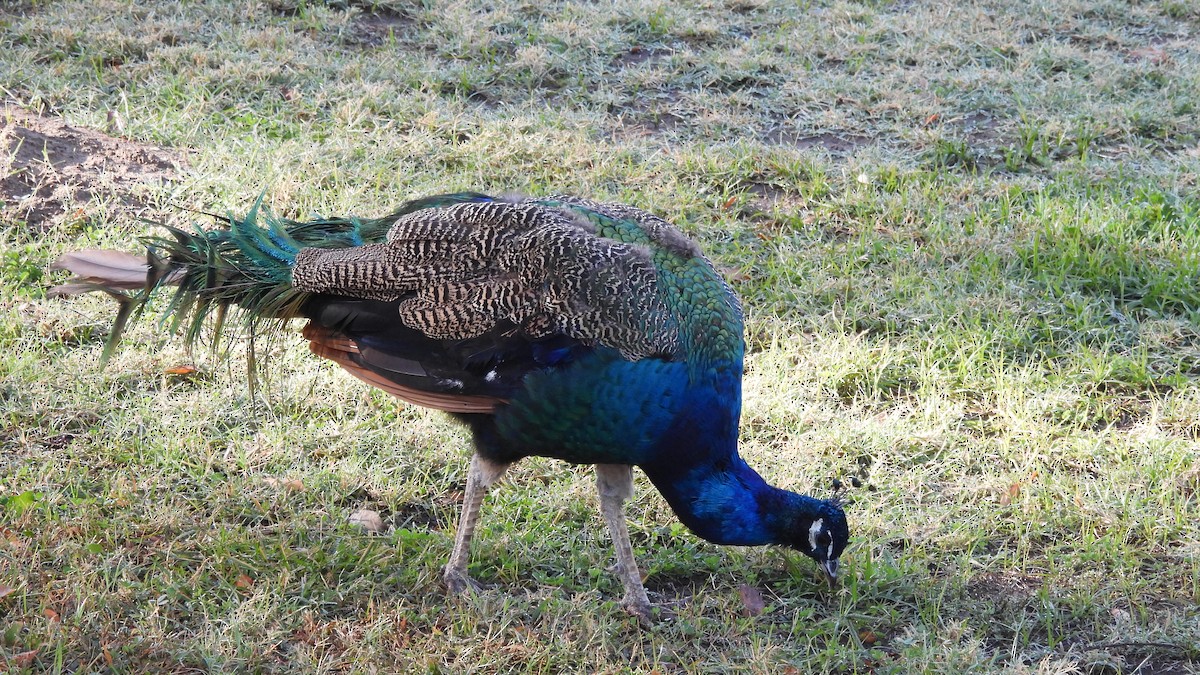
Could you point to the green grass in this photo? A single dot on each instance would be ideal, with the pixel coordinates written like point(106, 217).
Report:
point(966, 235)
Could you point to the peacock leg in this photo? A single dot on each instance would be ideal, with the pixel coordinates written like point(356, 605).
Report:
point(480, 476)
point(615, 484)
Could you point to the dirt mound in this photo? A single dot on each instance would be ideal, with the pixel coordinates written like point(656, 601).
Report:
point(49, 168)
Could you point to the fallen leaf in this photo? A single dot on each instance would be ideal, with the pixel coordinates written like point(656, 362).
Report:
point(293, 484)
point(868, 638)
point(931, 119)
point(752, 600)
point(729, 202)
point(368, 520)
point(1155, 55)
point(6, 590)
point(116, 123)
point(243, 582)
point(182, 370)
point(24, 659)
point(108, 659)
point(734, 274)
point(1188, 482)
point(50, 614)
point(1014, 491)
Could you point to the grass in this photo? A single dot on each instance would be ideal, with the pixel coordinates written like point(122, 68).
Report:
point(966, 236)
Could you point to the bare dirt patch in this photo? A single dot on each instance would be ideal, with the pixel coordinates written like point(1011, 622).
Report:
point(1002, 586)
point(642, 120)
point(835, 143)
point(636, 56)
point(652, 123)
point(376, 29)
point(49, 168)
point(979, 128)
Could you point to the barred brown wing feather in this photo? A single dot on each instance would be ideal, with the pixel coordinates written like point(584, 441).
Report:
point(459, 272)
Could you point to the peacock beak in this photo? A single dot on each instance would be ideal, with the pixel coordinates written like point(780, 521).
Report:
point(830, 567)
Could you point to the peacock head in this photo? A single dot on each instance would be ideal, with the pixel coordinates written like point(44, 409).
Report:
point(824, 537)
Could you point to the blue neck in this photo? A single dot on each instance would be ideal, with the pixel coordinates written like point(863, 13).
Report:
point(714, 492)
point(729, 503)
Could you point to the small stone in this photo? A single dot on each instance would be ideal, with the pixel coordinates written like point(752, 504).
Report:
point(368, 520)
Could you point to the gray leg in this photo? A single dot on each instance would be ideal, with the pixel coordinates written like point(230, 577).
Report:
point(615, 484)
point(480, 476)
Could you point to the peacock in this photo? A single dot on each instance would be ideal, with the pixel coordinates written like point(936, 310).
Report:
point(594, 333)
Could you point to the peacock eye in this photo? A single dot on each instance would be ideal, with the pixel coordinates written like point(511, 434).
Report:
point(824, 540)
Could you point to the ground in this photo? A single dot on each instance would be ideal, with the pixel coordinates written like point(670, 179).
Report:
point(52, 168)
point(965, 235)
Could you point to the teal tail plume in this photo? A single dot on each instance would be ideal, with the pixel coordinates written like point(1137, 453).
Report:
point(247, 265)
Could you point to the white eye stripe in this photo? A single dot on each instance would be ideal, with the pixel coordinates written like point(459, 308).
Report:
point(814, 531)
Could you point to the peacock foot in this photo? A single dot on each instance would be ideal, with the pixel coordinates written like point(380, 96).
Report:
point(640, 609)
point(458, 583)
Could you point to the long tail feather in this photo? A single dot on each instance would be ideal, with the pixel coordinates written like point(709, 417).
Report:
point(111, 269)
point(109, 272)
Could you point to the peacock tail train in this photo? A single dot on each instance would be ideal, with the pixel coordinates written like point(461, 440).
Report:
point(247, 264)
